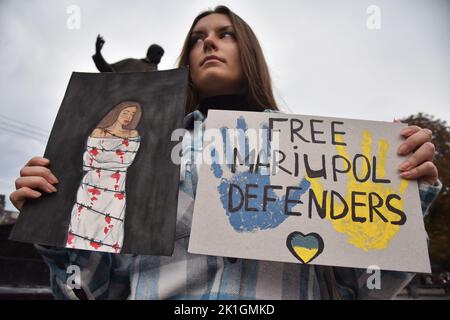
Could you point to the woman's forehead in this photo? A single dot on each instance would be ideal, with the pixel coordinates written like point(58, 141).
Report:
point(212, 21)
point(131, 108)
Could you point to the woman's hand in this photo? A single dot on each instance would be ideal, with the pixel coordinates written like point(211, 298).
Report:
point(35, 175)
point(419, 165)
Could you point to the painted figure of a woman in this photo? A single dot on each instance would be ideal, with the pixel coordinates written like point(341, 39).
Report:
point(98, 214)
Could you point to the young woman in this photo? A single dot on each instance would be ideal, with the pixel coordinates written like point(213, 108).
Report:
point(228, 71)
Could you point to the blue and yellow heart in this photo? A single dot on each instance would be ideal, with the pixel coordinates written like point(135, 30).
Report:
point(305, 247)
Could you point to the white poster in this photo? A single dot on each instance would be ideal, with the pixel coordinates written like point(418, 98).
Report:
point(306, 189)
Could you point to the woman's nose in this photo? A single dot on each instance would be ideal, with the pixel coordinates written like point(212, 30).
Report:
point(209, 44)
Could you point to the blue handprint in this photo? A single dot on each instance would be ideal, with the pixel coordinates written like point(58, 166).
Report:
point(243, 220)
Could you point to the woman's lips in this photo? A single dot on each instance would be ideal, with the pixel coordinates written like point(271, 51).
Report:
point(211, 58)
point(211, 61)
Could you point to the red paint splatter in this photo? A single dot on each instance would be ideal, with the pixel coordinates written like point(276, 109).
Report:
point(119, 196)
point(80, 207)
point(125, 142)
point(109, 227)
point(116, 247)
point(94, 191)
point(120, 153)
point(95, 245)
point(116, 176)
point(94, 151)
point(98, 172)
point(70, 238)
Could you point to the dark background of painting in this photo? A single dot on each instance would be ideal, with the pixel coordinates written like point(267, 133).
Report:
point(152, 180)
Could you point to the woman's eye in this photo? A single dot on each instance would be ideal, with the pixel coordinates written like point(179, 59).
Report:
point(195, 40)
point(229, 34)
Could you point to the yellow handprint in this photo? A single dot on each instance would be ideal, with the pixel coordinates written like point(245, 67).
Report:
point(377, 231)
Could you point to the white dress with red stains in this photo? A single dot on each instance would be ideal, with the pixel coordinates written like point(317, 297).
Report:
point(97, 218)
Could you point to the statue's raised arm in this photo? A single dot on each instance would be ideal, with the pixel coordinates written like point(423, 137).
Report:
point(99, 61)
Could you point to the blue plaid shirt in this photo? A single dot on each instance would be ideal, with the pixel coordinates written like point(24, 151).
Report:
point(190, 276)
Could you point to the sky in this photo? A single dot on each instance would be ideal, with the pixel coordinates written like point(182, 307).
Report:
point(374, 60)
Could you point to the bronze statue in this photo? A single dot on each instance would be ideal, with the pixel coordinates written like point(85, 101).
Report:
point(149, 63)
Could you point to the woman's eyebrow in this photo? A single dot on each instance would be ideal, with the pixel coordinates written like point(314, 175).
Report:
point(225, 28)
point(219, 29)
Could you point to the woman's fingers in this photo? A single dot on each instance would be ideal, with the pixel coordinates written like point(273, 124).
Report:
point(426, 172)
point(19, 196)
point(39, 171)
point(419, 165)
point(410, 130)
point(35, 182)
point(415, 139)
point(35, 175)
point(38, 161)
point(421, 155)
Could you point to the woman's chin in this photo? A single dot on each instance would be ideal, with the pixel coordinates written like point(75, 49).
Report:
point(212, 74)
point(214, 79)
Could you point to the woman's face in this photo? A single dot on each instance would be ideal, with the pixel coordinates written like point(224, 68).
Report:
point(214, 58)
point(126, 115)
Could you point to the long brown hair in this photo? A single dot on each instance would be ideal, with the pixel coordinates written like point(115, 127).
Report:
point(113, 115)
point(256, 73)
